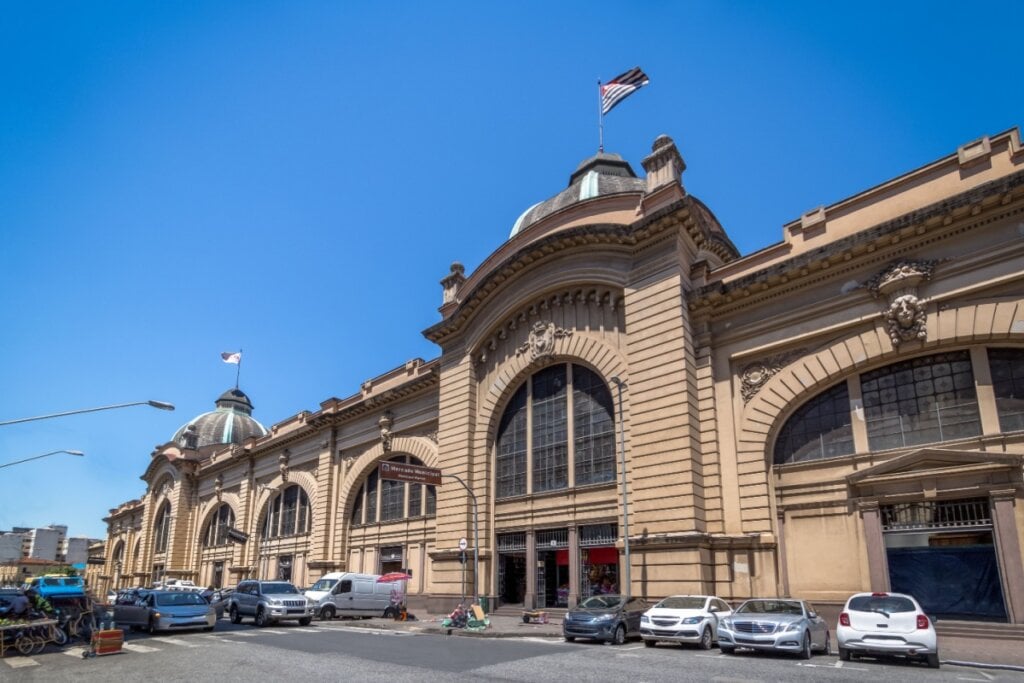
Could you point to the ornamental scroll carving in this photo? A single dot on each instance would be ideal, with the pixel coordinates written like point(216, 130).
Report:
point(541, 341)
point(905, 316)
point(755, 375)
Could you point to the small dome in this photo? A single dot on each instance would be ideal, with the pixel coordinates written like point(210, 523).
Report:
point(231, 422)
point(600, 175)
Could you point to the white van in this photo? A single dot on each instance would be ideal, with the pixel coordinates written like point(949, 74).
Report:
point(346, 594)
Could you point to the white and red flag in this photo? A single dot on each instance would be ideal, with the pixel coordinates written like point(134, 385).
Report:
point(233, 357)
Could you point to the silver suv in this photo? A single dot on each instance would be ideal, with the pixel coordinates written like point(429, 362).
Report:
point(268, 602)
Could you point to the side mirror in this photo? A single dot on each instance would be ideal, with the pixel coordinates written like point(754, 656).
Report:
point(812, 615)
point(712, 609)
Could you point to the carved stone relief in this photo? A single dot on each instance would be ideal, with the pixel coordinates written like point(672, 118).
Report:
point(905, 315)
point(755, 375)
point(541, 341)
point(282, 464)
point(385, 422)
point(218, 486)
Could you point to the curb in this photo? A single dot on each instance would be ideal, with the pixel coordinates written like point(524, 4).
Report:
point(983, 665)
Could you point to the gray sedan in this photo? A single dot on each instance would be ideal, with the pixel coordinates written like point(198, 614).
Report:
point(166, 611)
point(775, 624)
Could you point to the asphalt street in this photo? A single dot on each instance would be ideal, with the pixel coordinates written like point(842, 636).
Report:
point(332, 651)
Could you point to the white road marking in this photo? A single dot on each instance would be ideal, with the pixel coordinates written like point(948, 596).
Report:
point(240, 634)
point(74, 651)
point(134, 647)
point(839, 664)
point(988, 676)
point(269, 630)
point(21, 662)
point(636, 647)
point(961, 678)
point(713, 656)
point(175, 641)
point(826, 666)
point(298, 630)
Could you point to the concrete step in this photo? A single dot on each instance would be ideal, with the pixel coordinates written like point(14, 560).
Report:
point(980, 629)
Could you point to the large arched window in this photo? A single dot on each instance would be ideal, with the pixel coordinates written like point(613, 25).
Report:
point(1007, 366)
point(162, 528)
point(398, 500)
point(535, 429)
point(819, 429)
point(922, 400)
point(287, 514)
point(217, 528)
point(118, 555)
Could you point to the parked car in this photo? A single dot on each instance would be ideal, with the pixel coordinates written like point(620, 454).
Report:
point(775, 624)
point(684, 619)
point(347, 594)
point(164, 611)
point(218, 598)
point(611, 618)
point(52, 585)
point(268, 602)
point(886, 624)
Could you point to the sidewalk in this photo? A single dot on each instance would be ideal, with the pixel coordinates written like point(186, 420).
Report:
point(982, 653)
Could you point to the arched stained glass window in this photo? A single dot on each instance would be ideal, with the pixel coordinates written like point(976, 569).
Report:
point(820, 428)
point(217, 528)
point(1007, 367)
point(162, 528)
point(287, 513)
point(397, 500)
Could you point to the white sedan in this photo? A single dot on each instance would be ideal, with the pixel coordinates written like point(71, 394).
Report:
point(886, 624)
point(684, 619)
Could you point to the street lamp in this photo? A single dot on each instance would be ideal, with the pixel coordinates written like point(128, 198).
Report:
point(44, 455)
point(155, 404)
point(625, 500)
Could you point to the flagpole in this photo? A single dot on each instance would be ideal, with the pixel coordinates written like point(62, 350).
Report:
point(600, 120)
point(238, 370)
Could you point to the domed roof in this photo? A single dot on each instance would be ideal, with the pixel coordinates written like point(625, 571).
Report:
point(231, 422)
point(600, 175)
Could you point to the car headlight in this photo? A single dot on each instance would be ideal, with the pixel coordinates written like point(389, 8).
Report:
point(795, 626)
point(644, 619)
point(725, 623)
point(604, 617)
point(692, 620)
point(275, 603)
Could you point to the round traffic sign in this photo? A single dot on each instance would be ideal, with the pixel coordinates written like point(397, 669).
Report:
point(463, 544)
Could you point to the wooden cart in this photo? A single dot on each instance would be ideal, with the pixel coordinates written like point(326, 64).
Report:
point(27, 637)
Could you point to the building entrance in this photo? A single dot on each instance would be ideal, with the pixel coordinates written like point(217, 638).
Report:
point(511, 568)
point(942, 553)
point(553, 568)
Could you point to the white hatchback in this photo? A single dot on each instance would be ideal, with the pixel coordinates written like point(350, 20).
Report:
point(886, 624)
point(684, 619)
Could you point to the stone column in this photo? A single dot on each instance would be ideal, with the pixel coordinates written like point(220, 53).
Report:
point(530, 599)
point(878, 563)
point(1008, 553)
point(780, 513)
point(574, 565)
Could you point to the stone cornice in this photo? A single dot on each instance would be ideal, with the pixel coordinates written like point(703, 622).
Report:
point(687, 212)
point(847, 252)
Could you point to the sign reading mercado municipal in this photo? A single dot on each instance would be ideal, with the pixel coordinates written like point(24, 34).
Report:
point(415, 474)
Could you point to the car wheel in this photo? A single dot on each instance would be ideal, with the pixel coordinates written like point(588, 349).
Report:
point(619, 637)
point(261, 617)
point(650, 643)
point(805, 651)
point(828, 643)
point(570, 639)
point(305, 621)
point(726, 649)
point(327, 612)
point(705, 639)
point(236, 618)
point(932, 660)
point(844, 654)
point(207, 628)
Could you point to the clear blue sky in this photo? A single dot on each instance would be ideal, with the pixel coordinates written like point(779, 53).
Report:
point(293, 178)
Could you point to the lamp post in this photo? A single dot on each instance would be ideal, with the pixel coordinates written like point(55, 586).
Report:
point(625, 498)
point(44, 455)
point(155, 404)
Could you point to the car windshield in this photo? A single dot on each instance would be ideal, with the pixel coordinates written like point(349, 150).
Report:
point(682, 602)
point(770, 607)
point(324, 585)
point(179, 598)
point(278, 587)
point(883, 604)
point(601, 602)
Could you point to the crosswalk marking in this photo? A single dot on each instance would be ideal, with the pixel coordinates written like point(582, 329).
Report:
point(298, 630)
point(271, 630)
point(175, 641)
point(74, 651)
point(240, 634)
point(133, 647)
point(21, 662)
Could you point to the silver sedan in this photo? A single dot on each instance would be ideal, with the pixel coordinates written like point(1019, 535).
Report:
point(166, 611)
point(775, 624)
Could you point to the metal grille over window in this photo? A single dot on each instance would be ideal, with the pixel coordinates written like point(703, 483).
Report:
point(930, 515)
point(923, 400)
point(818, 429)
point(553, 538)
point(511, 542)
point(1007, 366)
point(598, 535)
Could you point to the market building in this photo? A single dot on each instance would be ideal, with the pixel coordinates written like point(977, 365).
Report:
point(839, 411)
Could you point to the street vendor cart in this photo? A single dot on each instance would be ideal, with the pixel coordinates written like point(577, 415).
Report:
point(28, 636)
